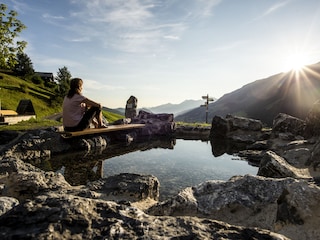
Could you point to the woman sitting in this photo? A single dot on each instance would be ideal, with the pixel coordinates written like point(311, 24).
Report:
point(78, 112)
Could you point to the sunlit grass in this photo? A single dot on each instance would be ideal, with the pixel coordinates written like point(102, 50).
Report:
point(179, 124)
point(30, 124)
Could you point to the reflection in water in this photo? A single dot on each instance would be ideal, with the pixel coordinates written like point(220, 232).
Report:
point(176, 163)
point(188, 164)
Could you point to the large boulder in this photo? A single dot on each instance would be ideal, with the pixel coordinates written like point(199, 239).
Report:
point(273, 165)
point(131, 107)
point(155, 124)
point(60, 216)
point(237, 129)
point(287, 206)
point(284, 123)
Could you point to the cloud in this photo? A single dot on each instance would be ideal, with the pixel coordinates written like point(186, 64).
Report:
point(48, 16)
point(52, 63)
point(274, 8)
point(95, 85)
point(171, 37)
point(207, 6)
point(136, 26)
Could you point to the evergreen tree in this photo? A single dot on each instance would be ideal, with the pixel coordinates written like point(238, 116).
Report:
point(63, 78)
point(23, 66)
point(10, 27)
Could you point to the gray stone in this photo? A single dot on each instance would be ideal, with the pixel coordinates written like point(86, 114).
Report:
point(297, 157)
point(313, 121)
point(287, 206)
point(7, 203)
point(127, 187)
point(284, 123)
point(272, 165)
point(56, 216)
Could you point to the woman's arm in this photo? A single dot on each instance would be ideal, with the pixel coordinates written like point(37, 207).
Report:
point(91, 103)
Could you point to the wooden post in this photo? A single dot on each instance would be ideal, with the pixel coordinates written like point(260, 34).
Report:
point(206, 104)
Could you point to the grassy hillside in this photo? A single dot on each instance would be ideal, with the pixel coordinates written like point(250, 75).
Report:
point(13, 89)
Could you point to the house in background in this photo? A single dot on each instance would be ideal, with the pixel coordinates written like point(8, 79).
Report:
point(46, 76)
point(24, 112)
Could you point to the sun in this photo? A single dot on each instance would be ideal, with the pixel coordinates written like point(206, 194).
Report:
point(296, 62)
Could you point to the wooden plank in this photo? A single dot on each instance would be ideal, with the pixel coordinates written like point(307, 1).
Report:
point(110, 128)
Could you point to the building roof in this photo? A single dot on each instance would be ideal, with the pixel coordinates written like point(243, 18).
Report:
point(8, 113)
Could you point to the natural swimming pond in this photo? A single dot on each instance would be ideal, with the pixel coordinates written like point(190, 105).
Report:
point(186, 164)
point(177, 163)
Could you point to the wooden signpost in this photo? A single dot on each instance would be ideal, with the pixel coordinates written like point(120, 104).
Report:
point(206, 104)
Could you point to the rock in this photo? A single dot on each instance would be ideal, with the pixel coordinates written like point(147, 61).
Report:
point(26, 185)
point(314, 160)
point(127, 187)
point(297, 157)
point(7, 203)
point(131, 107)
point(313, 121)
point(254, 157)
point(243, 123)
point(56, 216)
point(155, 124)
point(52, 209)
point(238, 129)
point(7, 136)
point(286, 205)
point(284, 123)
point(219, 127)
point(272, 165)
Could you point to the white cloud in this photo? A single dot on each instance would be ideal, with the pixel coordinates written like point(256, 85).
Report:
point(95, 85)
point(170, 37)
point(48, 16)
point(206, 6)
point(131, 26)
point(274, 8)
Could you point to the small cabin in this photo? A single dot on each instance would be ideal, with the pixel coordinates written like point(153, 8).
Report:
point(46, 76)
point(24, 112)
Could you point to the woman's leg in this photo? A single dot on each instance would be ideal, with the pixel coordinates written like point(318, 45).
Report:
point(88, 118)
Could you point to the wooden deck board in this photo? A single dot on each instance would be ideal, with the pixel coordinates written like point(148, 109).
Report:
point(110, 128)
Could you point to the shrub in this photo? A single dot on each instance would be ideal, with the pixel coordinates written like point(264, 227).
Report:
point(36, 79)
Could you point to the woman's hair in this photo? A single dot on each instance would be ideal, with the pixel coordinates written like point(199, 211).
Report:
point(75, 84)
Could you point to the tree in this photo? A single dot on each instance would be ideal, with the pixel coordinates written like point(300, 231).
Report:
point(63, 78)
point(24, 66)
point(10, 27)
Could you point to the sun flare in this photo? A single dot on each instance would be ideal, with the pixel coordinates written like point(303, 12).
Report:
point(296, 62)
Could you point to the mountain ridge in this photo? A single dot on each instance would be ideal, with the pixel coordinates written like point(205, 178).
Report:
point(263, 99)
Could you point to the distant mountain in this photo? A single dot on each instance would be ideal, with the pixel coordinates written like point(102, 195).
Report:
point(291, 92)
point(177, 109)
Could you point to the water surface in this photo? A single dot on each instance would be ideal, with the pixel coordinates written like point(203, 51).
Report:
point(189, 163)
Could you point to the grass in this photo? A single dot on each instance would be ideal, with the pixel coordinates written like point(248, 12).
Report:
point(193, 124)
point(13, 89)
point(30, 124)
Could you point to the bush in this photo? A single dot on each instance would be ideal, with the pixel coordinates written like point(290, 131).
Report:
point(36, 79)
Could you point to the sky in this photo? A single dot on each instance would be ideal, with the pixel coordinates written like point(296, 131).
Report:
point(168, 51)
